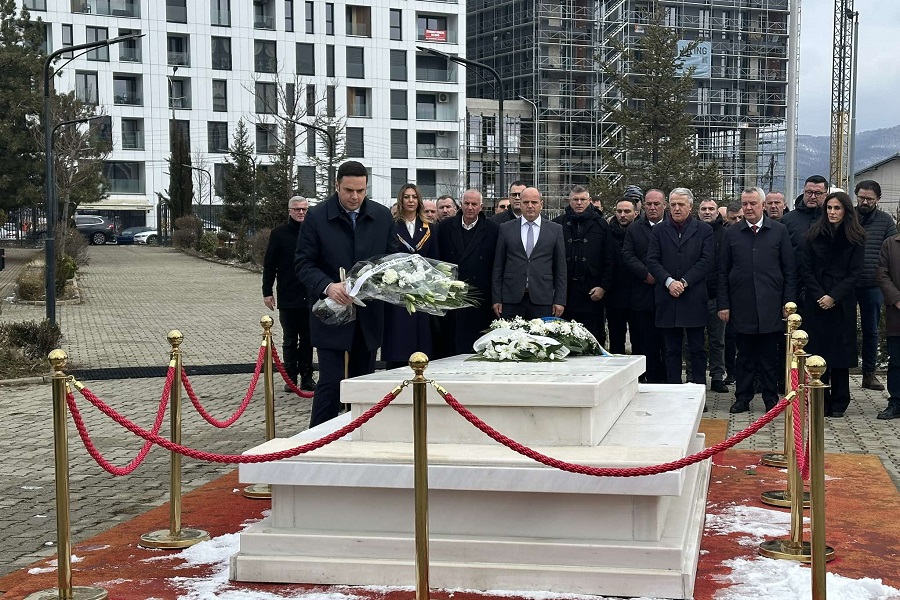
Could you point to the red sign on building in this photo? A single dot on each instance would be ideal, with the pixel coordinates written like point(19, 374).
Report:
point(435, 35)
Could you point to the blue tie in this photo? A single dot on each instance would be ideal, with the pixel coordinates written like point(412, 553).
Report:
point(352, 219)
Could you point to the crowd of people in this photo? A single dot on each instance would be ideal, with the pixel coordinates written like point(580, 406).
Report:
point(688, 281)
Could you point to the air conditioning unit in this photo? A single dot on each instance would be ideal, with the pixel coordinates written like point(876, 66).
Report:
point(443, 98)
point(441, 133)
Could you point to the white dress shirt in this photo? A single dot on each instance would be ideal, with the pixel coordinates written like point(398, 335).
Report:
point(524, 230)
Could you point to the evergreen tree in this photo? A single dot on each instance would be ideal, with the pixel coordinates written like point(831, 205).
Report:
point(239, 190)
point(181, 183)
point(21, 63)
point(654, 146)
point(279, 183)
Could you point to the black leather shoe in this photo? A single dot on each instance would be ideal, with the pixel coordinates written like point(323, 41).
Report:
point(739, 407)
point(837, 414)
point(729, 380)
point(718, 386)
point(891, 412)
point(287, 388)
point(307, 383)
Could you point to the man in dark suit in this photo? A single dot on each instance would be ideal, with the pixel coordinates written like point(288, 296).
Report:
point(338, 233)
point(715, 328)
point(645, 337)
point(469, 241)
point(756, 279)
point(680, 257)
point(515, 207)
point(529, 278)
point(619, 313)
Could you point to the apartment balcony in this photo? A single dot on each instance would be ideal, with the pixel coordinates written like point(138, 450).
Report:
point(180, 103)
point(440, 36)
point(128, 100)
point(221, 18)
point(436, 75)
point(263, 22)
point(107, 8)
point(179, 59)
point(127, 54)
point(429, 151)
point(132, 141)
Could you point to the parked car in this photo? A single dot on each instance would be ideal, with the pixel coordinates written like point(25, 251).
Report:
point(126, 236)
point(96, 229)
point(151, 237)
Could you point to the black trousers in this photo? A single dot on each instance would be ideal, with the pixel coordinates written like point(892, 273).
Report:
point(757, 358)
point(673, 338)
point(526, 309)
point(618, 320)
point(837, 397)
point(296, 348)
point(646, 339)
point(730, 351)
point(327, 399)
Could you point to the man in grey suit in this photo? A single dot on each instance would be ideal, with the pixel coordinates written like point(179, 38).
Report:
point(530, 264)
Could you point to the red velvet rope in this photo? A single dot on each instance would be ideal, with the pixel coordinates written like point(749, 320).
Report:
point(801, 451)
point(244, 404)
point(234, 458)
point(92, 449)
point(287, 378)
point(611, 472)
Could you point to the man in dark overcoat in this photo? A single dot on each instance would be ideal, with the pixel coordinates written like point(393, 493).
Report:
point(619, 313)
point(645, 337)
point(680, 257)
point(756, 279)
point(469, 240)
point(339, 232)
point(708, 212)
point(589, 261)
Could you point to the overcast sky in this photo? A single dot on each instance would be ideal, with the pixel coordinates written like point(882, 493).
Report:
point(878, 92)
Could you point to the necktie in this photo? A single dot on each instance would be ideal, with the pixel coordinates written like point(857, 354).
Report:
point(352, 219)
point(755, 228)
point(529, 239)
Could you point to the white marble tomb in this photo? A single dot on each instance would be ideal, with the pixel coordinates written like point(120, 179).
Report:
point(343, 514)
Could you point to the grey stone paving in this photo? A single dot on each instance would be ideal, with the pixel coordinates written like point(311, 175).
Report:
point(132, 297)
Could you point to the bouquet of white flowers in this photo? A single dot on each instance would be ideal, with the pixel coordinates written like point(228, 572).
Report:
point(418, 283)
point(571, 334)
point(517, 345)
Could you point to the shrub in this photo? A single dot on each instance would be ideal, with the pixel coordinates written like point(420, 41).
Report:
point(65, 270)
point(225, 253)
point(30, 284)
point(187, 231)
point(223, 236)
point(208, 243)
point(258, 244)
point(35, 339)
point(73, 244)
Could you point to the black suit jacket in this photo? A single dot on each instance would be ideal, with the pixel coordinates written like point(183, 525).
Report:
point(634, 253)
point(544, 270)
point(328, 242)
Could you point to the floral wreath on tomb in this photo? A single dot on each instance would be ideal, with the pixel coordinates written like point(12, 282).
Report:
point(536, 340)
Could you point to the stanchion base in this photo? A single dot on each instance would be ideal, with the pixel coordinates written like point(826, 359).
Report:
point(781, 498)
point(777, 460)
point(164, 540)
point(786, 550)
point(78, 593)
point(258, 491)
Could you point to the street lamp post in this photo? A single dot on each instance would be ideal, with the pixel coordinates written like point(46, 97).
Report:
point(501, 166)
point(537, 130)
point(49, 209)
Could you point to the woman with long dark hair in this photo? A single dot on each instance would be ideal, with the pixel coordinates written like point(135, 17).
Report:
point(833, 262)
point(405, 333)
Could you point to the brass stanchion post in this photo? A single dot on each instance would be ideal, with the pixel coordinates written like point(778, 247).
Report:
point(263, 491)
point(65, 591)
point(793, 320)
point(821, 552)
point(175, 537)
point(419, 362)
point(785, 497)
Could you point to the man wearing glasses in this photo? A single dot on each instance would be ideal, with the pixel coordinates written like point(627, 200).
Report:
point(293, 312)
point(806, 210)
point(879, 226)
point(515, 207)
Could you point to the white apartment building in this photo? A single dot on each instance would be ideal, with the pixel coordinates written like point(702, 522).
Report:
point(209, 63)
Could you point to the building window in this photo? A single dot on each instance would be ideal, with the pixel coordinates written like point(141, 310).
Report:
point(426, 181)
point(178, 50)
point(221, 53)
point(433, 68)
point(426, 107)
point(329, 60)
point(219, 95)
point(359, 21)
point(220, 12)
point(266, 138)
point(329, 18)
point(176, 11)
point(266, 98)
point(399, 178)
point(124, 177)
point(98, 34)
point(311, 142)
point(263, 14)
point(86, 86)
point(355, 144)
point(310, 99)
point(219, 170)
point(127, 89)
point(432, 28)
point(308, 17)
point(265, 59)
point(398, 65)
point(67, 39)
point(288, 15)
point(217, 136)
point(36, 4)
point(306, 179)
point(396, 24)
point(358, 102)
point(356, 69)
point(130, 50)
point(329, 101)
point(306, 59)
point(179, 92)
point(399, 108)
point(132, 134)
point(399, 143)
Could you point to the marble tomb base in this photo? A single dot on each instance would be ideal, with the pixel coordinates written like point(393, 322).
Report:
point(343, 514)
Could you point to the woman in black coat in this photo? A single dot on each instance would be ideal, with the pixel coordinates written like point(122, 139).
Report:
point(406, 333)
point(833, 262)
